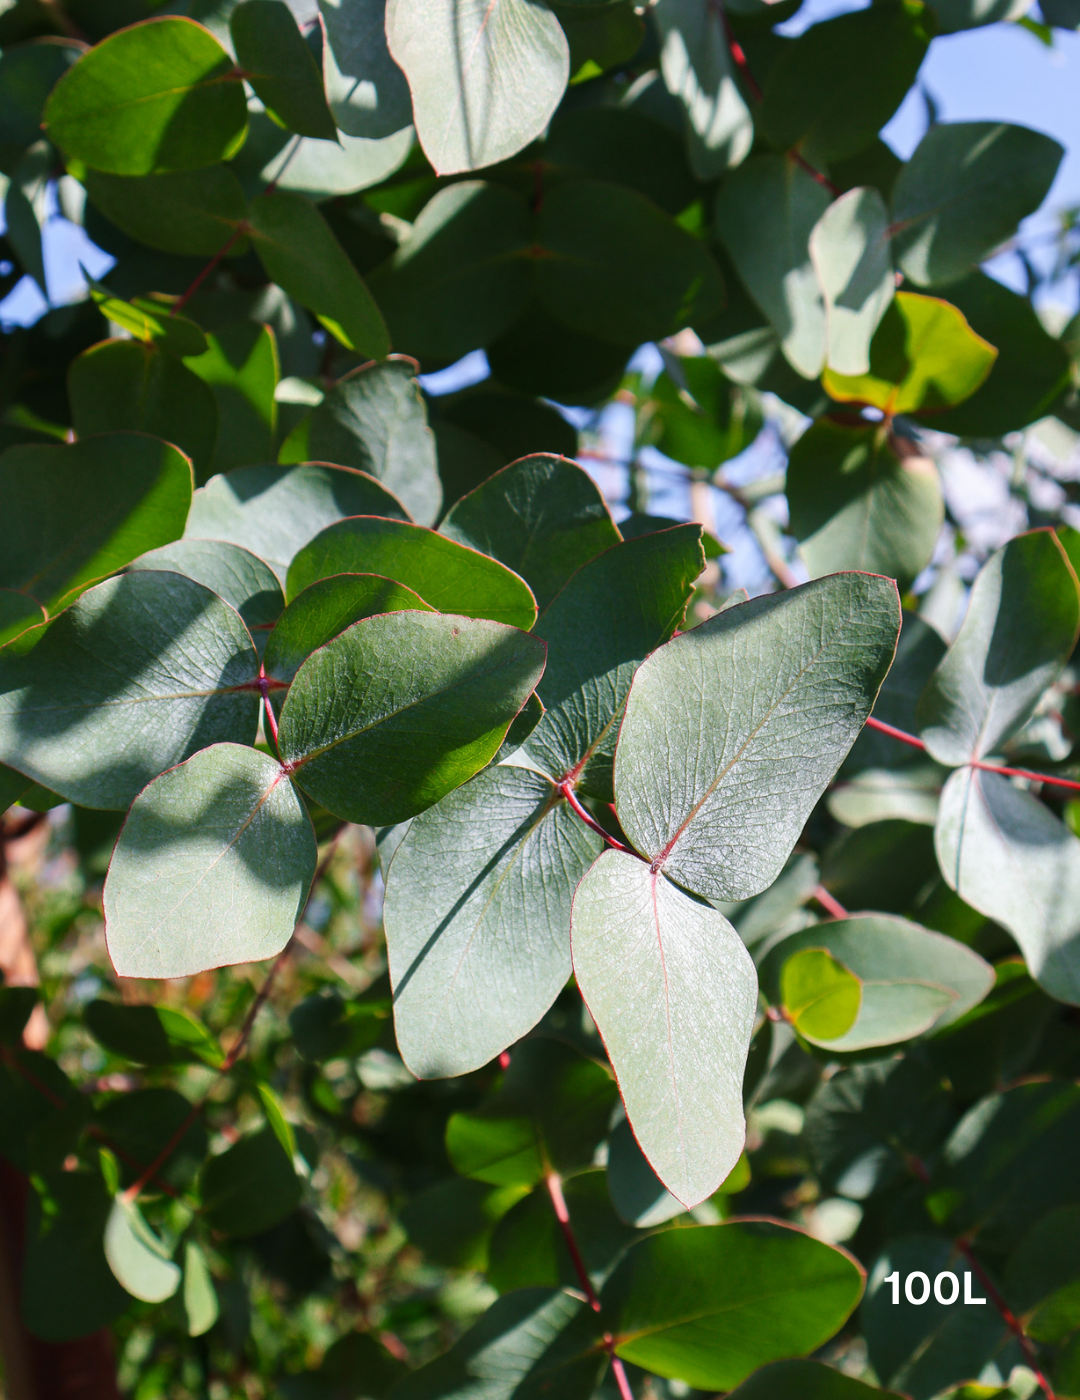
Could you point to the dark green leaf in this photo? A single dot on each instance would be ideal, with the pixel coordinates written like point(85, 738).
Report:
point(528, 1345)
point(479, 882)
point(326, 1028)
point(241, 368)
point(712, 1304)
point(449, 576)
point(127, 385)
point(301, 254)
point(68, 1289)
point(326, 608)
point(188, 213)
point(151, 1035)
point(838, 84)
point(16, 1007)
point(806, 1380)
point(705, 752)
point(18, 613)
point(542, 517)
point(86, 510)
point(452, 1222)
point(280, 67)
point(137, 675)
point(38, 1130)
point(151, 98)
point(437, 696)
point(151, 320)
point(374, 420)
point(28, 73)
point(701, 417)
point(250, 1187)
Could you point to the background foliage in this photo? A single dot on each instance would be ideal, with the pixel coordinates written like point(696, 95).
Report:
point(455, 942)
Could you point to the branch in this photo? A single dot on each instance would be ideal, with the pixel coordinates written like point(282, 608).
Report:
point(566, 789)
point(553, 1182)
point(1030, 773)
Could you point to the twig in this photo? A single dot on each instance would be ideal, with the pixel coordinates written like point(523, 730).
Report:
point(831, 905)
point(1030, 773)
point(566, 789)
point(558, 1203)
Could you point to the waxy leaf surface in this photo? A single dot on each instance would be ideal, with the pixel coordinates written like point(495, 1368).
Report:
point(212, 867)
point(136, 1256)
point(1010, 857)
point(233, 573)
point(1020, 628)
point(478, 918)
point(734, 729)
point(449, 576)
point(849, 247)
point(275, 511)
point(240, 366)
point(696, 63)
point(87, 509)
point(140, 673)
point(402, 708)
point(280, 67)
point(367, 91)
point(673, 992)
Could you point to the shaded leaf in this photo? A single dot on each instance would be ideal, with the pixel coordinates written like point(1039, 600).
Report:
point(637, 1193)
point(249, 1187)
point(696, 63)
point(151, 1035)
point(862, 498)
point(739, 724)
point(765, 214)
point(191, 213)
point(233, 573)
point(367, 91)
point(280, 67)
point(964, 191)
point(301, 254)
point(806, 1380)
point(1010, 857)
point(705, 419)
point(241, 368)
point(402, 708)
point(375, 420)
point(137, 675)
point(543, 517)
point(18, 613)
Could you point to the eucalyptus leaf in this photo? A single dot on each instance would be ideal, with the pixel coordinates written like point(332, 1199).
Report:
point(705, 753)
point(696, 62)
point(274, 511)
point(374, 420)
point(485, 78)
point(1010, 857)
point(479, 881)
point(199, 1295)
point(849, 247)
point(136, 1256)
point(668, 981)
point(367, 91)
point(542, 517)
point(191, 213)
point(213, 867)
point(1019, 631)
point(280, 67)
point(151, 98)
point(712, 1304)
point(249, 1187)
point(240, 366)
point(137, 675)
point(87, 509)
point(402, 708)
point(449, 576)
point(806, 1380)
point(233, 573)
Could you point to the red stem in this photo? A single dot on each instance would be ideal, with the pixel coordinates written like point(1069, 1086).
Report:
point(268, 709)
point(238, 232)
point(566, 788)
point(558, 1202)
point(832, 906)
point(1028, 773)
